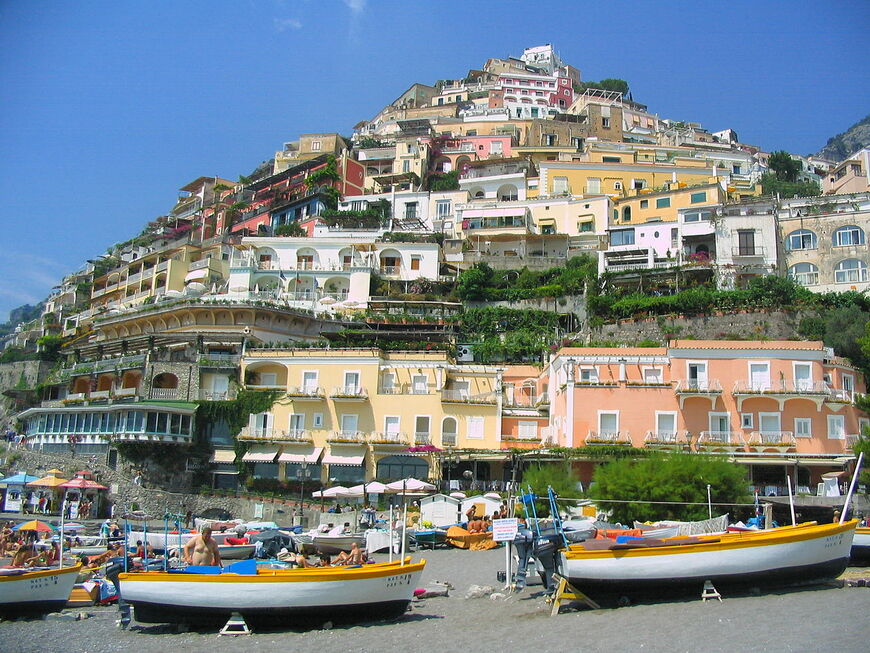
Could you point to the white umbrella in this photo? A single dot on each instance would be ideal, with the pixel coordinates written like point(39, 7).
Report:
point(173, 293)
point(239, 289)
point(374, 487)
point(196, 287)
point(458, 495)
point(326, 301)
point(492, 495)
point(410, 485)
point(336, 491)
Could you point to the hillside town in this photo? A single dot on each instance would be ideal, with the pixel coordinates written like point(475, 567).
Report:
point(492, 270)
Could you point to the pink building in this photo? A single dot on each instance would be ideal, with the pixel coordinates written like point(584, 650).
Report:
point(781, 407)
point(456, 152)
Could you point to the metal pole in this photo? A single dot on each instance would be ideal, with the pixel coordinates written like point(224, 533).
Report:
point(404, 518)
point(852, 486)
point(391, 527)
point(791, 501)
point(709, 503)
point(60, 564)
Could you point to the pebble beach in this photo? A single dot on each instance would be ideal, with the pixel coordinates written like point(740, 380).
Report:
point(806, 619)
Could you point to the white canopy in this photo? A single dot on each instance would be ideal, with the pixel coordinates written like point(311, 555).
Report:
point(373, 487)
point(410, 485)
point(336, 491)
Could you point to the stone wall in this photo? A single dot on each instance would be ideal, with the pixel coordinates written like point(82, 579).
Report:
point(761, 325)
point(26, 374)
point(125, 494)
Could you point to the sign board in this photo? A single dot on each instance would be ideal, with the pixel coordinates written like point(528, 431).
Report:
point(504, 530)
point(258, 511)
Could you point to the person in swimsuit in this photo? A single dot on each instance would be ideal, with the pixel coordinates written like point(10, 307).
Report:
point(202, 550)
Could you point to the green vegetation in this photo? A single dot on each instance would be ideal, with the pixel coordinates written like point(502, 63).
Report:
point(845, 328)
point(559, 476)
point(674, 477)
point(609, 84)
point(507, 334)
point(292, 229)
point(444, 181)
point(772, 185)
point(482, 283)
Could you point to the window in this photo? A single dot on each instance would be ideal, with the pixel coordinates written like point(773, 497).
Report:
point(850, 270)
point(653, 375)
point(309, 381)
point(268, 378)
point(317, 420)
point(576, 142)
point(622, 237)
point(349, 424)
point(560, 185)
point(836, 427)
point(415, 262)
point(697, 216)
point(442, 208)
point(736, 168)
point(803, 427)
point(315, 146)
point(666, 423)
point(605, 123)
point(496, 147)
point(406, 166)
point(848, 236)
point(475, 427)
point(584, 227)
point(801, 239)
point(528, 430)
point(593, 186)
point(697, 373)
point(608, 422)
point(806, 274)
point(391, 424)
point(644, 204)
point(611, 159)
point(746, 420)
point(759, 376)
point(351, 382)
point(410, 210)
point(696, 198)
point(638, 184)
point(549, 140)
point(588, 375)
point(617, 185)
point(745, 243)
point(419, 384)
point(626, 214)
point(663, 202)
point(849, 385)
point(297, 422)
point(803, 376)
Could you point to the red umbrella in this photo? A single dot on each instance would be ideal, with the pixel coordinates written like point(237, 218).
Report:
point(84, 484)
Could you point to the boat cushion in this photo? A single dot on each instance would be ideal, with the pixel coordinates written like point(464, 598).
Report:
point(243, 567)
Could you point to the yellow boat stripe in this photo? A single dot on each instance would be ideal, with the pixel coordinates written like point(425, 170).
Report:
point(41, 573)
point(298, 575)
point(726, 542)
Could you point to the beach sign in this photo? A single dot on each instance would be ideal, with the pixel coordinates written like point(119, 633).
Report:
point(504, 530)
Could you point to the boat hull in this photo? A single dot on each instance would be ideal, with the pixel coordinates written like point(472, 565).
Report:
point(786, 556)
point(860, 552)
point(273, 597)
point(36, 592)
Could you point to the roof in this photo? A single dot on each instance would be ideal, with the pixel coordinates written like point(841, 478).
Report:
point(613, 351)
point(797, 345)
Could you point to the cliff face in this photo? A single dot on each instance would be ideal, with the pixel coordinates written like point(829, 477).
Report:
point(844, 145)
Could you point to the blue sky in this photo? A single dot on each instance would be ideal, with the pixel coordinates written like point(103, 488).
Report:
point(109, 107)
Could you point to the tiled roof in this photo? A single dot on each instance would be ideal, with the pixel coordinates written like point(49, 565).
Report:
point(613, 351)
point(802, 345)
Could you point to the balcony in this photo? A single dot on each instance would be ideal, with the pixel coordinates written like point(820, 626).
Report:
point(464, 397)
point(163, 393)
point(754, 251)
point(200, 264)
point(406, 389)
point(248, 433)
point(294, 435)
point(708, 388)
point(422, 438)
point(448, 439)
point(210, 395)
point(300, 393)
point(349, 393)
point(223, 361)
point(390, 270)
point(780, 391)
point(666, 439)
point(728, 440)
point(97, 395)
point(839, 396)
point(350, 437)
point(598, 438)
point(389, 438)
point(779, 440)
point(265, 388)
point(851, 440)
point(126, 392)
point(162, 266)
point(76, 396)
point(596, 383)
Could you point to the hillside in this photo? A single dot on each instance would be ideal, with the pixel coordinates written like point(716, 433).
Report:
point(843, 145)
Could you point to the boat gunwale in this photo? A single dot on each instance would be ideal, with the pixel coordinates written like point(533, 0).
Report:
point(40, 573)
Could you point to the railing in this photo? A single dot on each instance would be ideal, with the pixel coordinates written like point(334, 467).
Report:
point(840, 396)
point(689, 386)
point(163, 393)
point(100, 394)
point(520, 400)
point(596, 383)
point(851, 439)
point(349, 392)
point(608, 437)
point(422, 437)
point(309, 391)
point(772, 438)
point(656, 265)
point(448, 439)
point(133, 278)
point(388, 437)
point(346, 436)
point(718, 438)
point(653, 438)
point(77, 396)
point(162, 266)
point(263, 387)
point(218, 360)
point(126, 392)
point(737, 252)
point(248, 433)
point(781, 387)
point(209, 395)
point(198, 265)
point(296, 435)
point(390, 270)
point(463, 396)
point(406, 389)
point(543, 399)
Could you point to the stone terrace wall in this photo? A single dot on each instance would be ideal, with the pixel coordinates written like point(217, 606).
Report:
point(762, 325)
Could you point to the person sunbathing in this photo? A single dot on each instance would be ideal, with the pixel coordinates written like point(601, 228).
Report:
point(99, 560)
point(356, 556)
point(25, 556)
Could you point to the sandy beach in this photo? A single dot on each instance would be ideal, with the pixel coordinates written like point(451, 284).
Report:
point(807, 619)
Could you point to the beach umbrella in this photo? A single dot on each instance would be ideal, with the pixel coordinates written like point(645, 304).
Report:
point(492, 495)
point(410, 485)
point(334, 492)
point(326, 301)
point(35, 525)
point(83, 484)
point(458, 495)
point(374, 487)
point(47, 481)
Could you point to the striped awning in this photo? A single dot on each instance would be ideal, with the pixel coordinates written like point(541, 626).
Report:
point(345, 456)
point(300, 454)
point(223, 456)
point(261, 454)
point(193, 275)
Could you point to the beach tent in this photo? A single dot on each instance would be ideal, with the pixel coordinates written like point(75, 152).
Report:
point(440, 510)
point(16, 494)
point(483, 505)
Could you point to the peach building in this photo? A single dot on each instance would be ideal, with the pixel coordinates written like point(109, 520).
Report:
point(781, 407)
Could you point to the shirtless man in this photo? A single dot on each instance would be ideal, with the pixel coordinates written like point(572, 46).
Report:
point(202, 550)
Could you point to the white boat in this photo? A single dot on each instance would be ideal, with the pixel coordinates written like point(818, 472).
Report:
point(35, 591)
point(236, 551)
point(161, 541)
point(780, 556)
point(272, 596)
point(861, 545)
point(335, 544)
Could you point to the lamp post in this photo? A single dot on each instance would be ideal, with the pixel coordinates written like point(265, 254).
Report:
point(303, 472)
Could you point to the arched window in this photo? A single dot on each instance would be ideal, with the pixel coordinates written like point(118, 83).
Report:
point(806, 274)
point(397, 467)
point(508, 193)
point(850, 270)
point(848, 235)
point(448, 432)
point(626, 214)
point(801, 239)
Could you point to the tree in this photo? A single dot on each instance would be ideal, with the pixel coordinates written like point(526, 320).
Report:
point(661, 477)
point(773, 185)
point(561, 478)
point(291, 229)
point(474, 284)
point(784, 167)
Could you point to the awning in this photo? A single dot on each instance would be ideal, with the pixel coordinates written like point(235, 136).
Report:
point(834, 474)
point(223, 456)
point(493, 213)
point(261, 455)
point(345, 456)
point(301, 454)
point(202, 273)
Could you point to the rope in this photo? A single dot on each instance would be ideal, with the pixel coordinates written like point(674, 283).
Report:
point(662, 503)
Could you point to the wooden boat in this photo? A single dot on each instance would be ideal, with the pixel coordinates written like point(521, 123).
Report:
point(35, 591)
point(861, 545)
point(462, 539)
point(335, 544)
point(272, 596)
point(236, 551)
point(429, 537)
point(781, 556)
point(161, 541)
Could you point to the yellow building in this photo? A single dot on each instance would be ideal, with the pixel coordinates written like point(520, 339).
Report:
point(612, 178)
point(663, 206)
point(156, 271)
point(349, 415)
